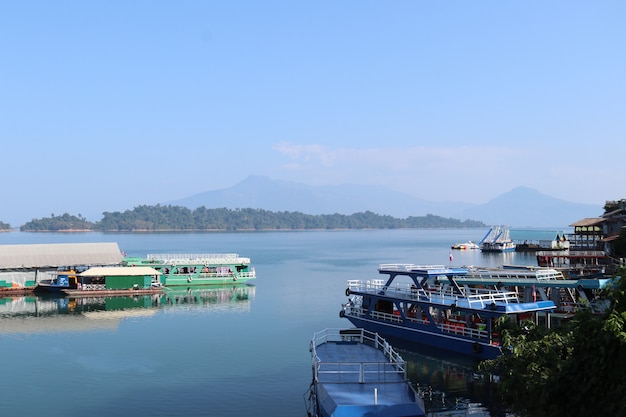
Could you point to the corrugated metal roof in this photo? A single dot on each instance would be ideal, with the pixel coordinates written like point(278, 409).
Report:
point(590, 221)
point(127, 271)
point(520, 235)
point(59, 254)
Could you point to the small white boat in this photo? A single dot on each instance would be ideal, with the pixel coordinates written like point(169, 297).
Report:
point(466, 245)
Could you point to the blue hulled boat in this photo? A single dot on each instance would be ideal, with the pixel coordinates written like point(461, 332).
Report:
point(356, 373)
point(426, 305)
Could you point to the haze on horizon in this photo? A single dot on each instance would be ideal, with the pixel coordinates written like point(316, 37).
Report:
point(110, 105)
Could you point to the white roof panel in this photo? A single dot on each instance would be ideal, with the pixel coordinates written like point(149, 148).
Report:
point(59, 254)
point(126, 271)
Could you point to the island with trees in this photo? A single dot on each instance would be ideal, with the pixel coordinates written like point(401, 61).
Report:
point(176, 218)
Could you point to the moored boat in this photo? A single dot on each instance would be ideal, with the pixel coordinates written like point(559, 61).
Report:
point(356, 373)
point(198, 269)
point(426, 305)
point(61, 280)
point(497, 240)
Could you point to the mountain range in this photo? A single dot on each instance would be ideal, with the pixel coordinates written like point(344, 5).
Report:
point(521, 207)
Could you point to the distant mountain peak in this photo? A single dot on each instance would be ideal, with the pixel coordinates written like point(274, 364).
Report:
point(521, 207)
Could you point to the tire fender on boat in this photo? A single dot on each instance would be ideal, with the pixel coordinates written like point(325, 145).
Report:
point(342, 313)
point(189, 279)
point(347, 292)
point(476, 347)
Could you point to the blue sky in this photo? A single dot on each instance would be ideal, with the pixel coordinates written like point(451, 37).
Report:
point(107, 105)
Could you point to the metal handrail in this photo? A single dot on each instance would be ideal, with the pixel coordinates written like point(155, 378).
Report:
point(409, 267)
point(441, 294)
point(474, 333)
point(194, 258)
point(511, 274)
point(394, 365)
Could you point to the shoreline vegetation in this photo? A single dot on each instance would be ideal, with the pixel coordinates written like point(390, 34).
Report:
point(145, 219)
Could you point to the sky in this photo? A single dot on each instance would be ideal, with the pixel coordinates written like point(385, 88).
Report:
point(107, 105)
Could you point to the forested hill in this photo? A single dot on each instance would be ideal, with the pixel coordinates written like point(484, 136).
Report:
point(177, 218)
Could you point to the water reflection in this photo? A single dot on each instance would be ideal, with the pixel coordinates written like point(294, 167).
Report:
point(450, 384)
point(54, 313)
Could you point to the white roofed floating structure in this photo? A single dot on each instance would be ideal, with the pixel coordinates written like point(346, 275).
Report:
point(103, 280)
point(23, 266)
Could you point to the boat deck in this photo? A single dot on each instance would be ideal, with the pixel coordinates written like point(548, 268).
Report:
point(352, 362)
point(358, 378)
point(444, 295)
point(527, 282)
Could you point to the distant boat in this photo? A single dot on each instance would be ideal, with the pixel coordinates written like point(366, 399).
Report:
point(356, 373)
point(497, 239)
point(466, 245)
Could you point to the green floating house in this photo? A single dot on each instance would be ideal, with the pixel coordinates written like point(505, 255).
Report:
point(118, 278)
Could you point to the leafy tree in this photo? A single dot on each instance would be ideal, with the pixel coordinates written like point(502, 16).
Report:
point(58, 223)
point(5, 226)
point(575, 369)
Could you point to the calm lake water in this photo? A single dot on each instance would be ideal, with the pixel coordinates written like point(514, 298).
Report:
point(237, 352)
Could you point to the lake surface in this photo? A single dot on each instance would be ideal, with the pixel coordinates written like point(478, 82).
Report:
point(226, 352)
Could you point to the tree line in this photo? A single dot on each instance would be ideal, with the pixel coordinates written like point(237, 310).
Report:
point(178, 218)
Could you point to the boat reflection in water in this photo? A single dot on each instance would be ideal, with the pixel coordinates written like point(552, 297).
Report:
point(449, 384)
point(55, 313)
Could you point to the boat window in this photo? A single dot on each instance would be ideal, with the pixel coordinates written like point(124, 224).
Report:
point(384, 306)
